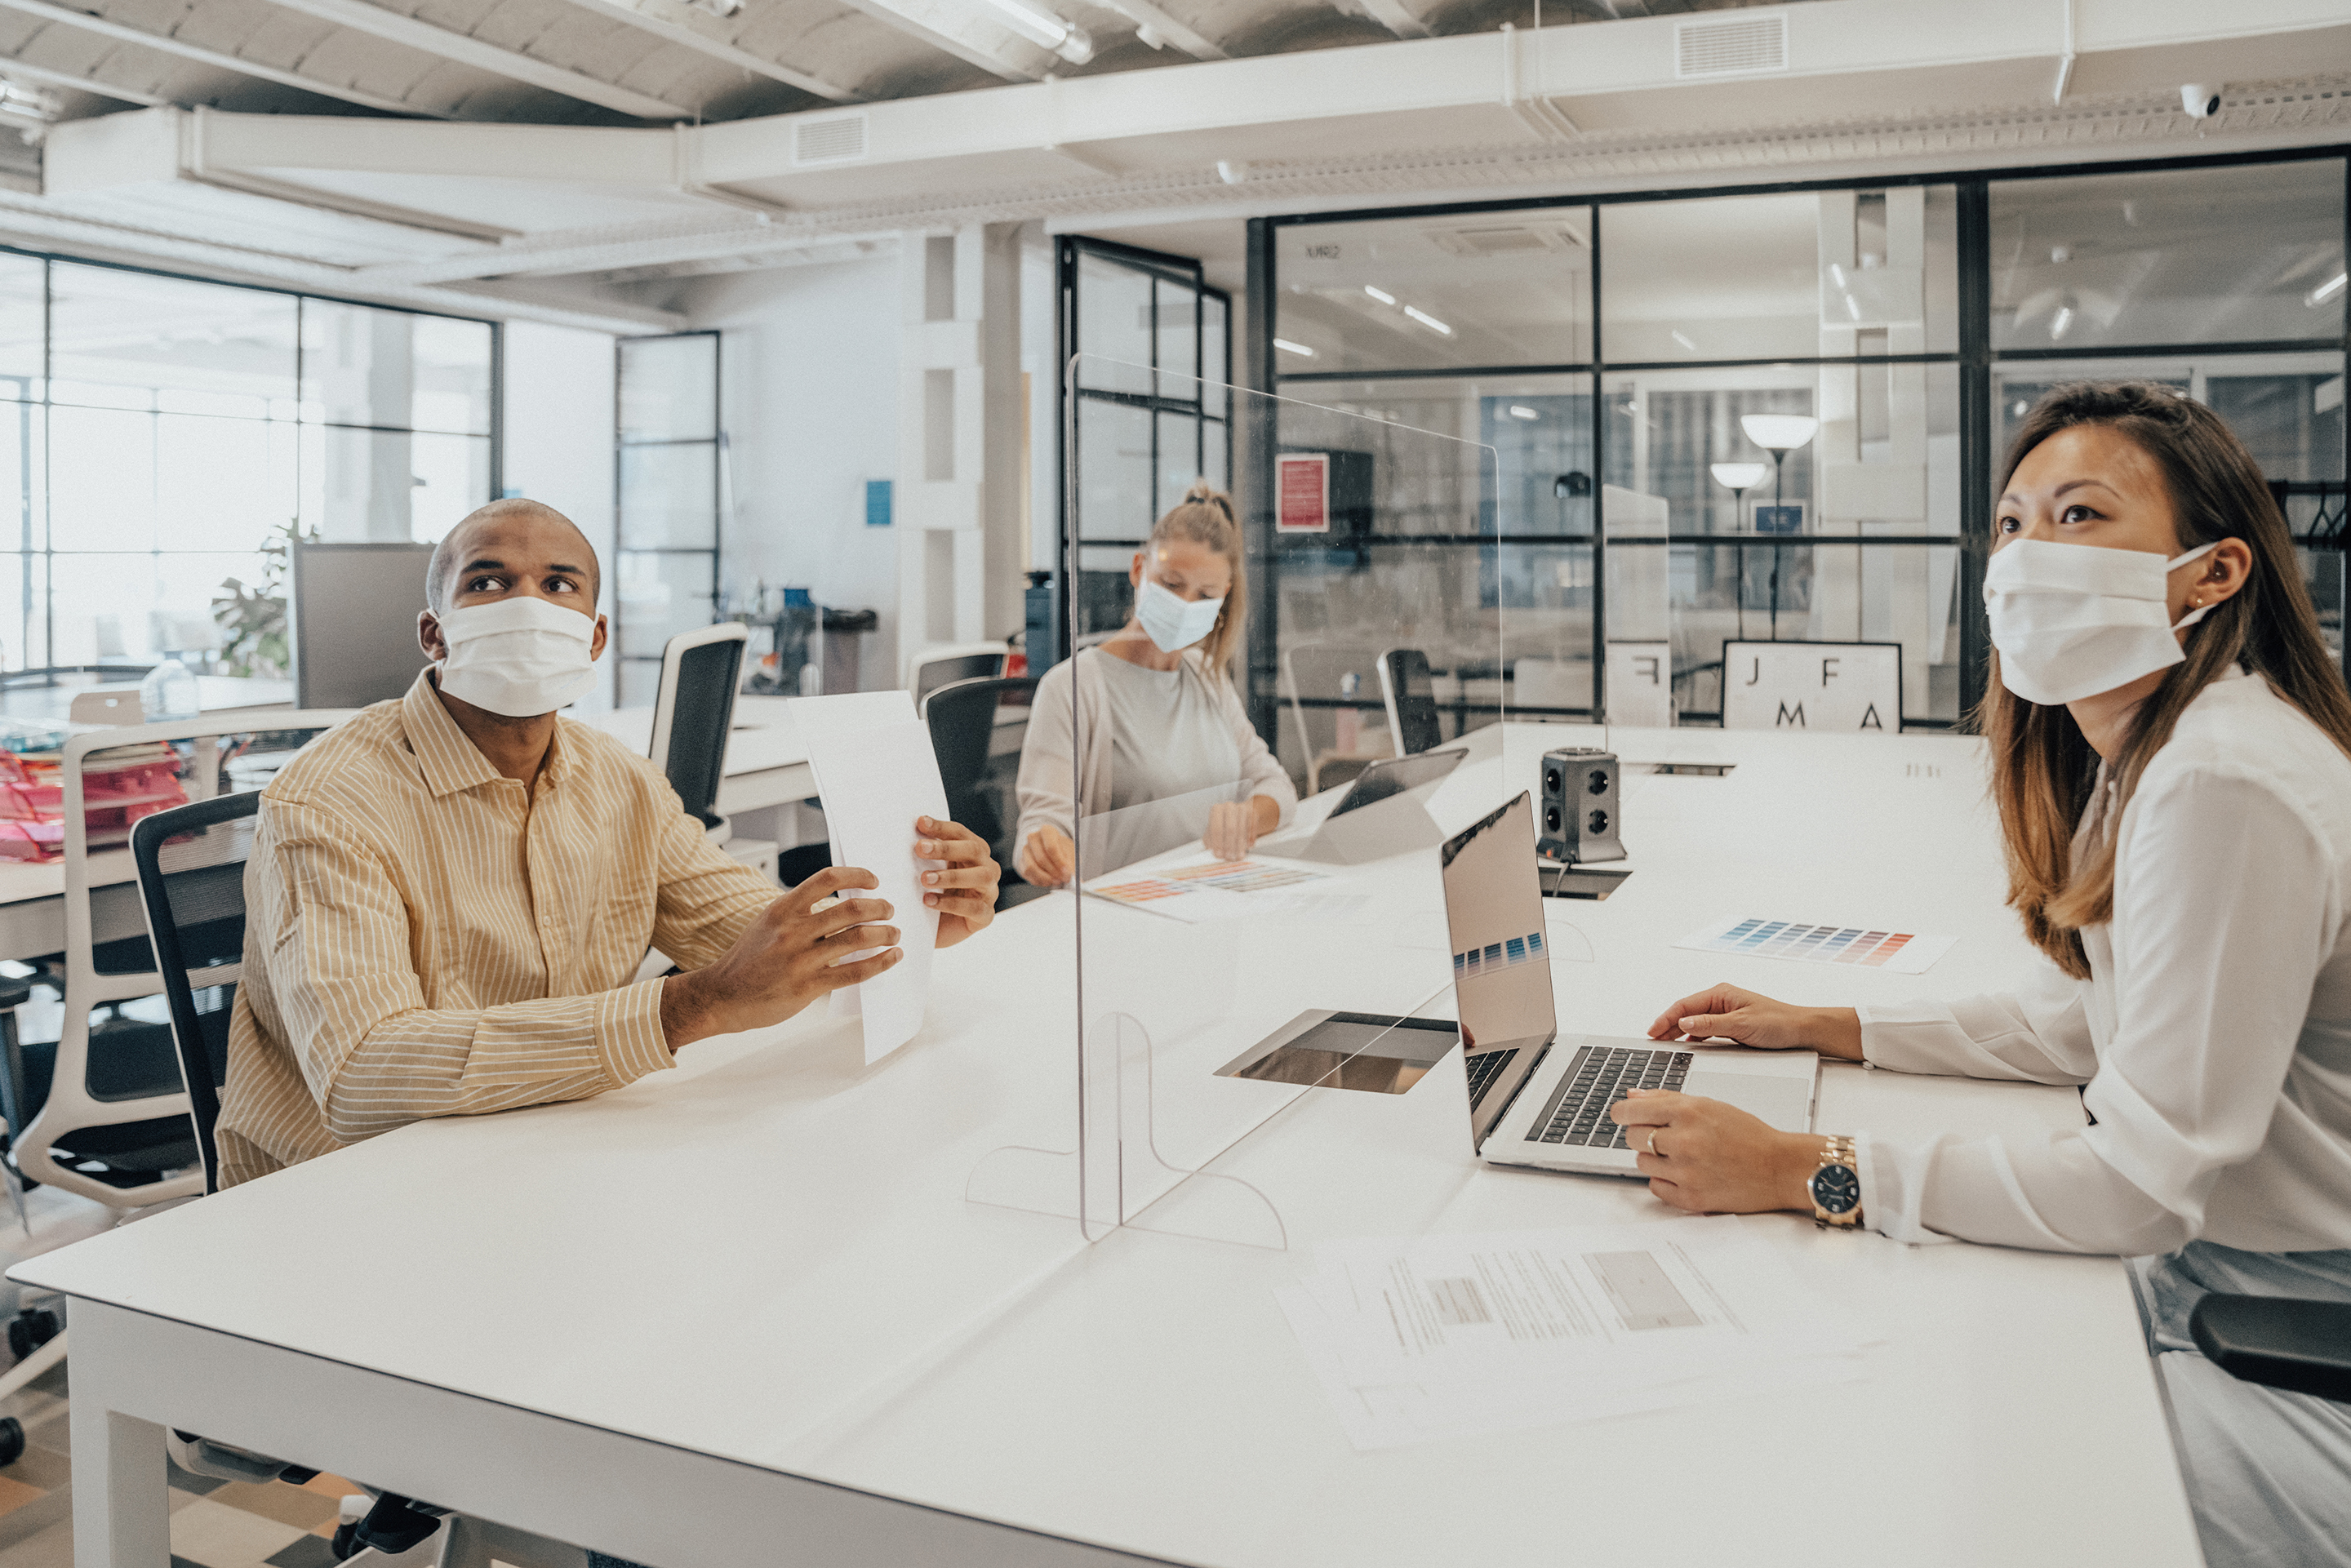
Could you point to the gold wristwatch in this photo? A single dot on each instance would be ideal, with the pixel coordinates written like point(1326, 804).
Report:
point(1837, 1185)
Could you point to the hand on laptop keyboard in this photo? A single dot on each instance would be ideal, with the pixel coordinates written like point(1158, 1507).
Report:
point(1713, 1158)
point(1745, 1018)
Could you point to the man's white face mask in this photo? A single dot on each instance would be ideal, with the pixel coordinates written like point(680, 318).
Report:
point(2072, 620)
point(519, 657)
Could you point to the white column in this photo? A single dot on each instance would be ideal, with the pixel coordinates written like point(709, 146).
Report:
point(959, 489)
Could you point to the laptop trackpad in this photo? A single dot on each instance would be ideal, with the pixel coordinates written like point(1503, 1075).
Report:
point(1783, 1103)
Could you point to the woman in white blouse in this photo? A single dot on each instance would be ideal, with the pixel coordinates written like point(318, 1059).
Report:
point(1142, 734)
point(2168, 737)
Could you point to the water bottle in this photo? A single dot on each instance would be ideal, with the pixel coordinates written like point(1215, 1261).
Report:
point(168, 692)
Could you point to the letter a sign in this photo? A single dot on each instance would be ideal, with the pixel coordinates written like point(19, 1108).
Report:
point(1820, 688)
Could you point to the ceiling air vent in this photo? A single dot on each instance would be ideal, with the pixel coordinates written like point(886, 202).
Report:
point(1504, 238)
point(1747, 47)
point(837, 138)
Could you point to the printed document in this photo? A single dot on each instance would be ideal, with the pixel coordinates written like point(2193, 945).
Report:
point(1428, 1337)
point(875, 772)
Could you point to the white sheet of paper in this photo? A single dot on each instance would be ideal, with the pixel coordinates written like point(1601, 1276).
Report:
point(875, 772)
point(1423, 1338)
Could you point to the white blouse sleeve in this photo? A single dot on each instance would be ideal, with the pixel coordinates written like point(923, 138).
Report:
point(2040, 1035)
point(1260, 770)
point(2224, 913)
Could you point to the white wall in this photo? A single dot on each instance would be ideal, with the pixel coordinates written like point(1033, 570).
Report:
point(810, 365)
point(558, 441)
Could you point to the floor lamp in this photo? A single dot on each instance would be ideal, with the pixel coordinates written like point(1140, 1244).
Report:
point(1778, 433)
point(1739, 479)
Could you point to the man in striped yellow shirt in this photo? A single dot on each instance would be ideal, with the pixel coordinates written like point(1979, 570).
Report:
point(448, 896)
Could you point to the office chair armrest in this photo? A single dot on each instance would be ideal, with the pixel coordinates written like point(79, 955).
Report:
point(2278, 1341)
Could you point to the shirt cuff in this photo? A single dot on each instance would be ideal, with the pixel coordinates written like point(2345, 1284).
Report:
point(1890, 1191)
point(630, 1041)
point(1899, 1035)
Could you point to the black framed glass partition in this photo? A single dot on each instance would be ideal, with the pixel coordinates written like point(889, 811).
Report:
point(1153, 342)
point(1776, 415)
point(669, 458)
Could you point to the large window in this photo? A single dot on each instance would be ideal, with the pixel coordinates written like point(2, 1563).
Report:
point(1616, 352)
point(158, 434)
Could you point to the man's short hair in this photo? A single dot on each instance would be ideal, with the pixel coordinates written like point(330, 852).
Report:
point(447, 553)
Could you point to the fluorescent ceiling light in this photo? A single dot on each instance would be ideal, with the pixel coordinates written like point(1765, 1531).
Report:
point(1382, 295)
point(1853, 307)
point(2061, 323)
point(1739, 475)
point(1685, 343)
point(1425, 319)
point(2326, 290)
point(1779, 432)
point(1521, 411)
point(1287, 347)
point(1836, 275)
point(1042, 28)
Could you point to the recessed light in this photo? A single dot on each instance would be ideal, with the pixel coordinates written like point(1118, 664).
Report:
point(1521, 411)
point(1382, 295)
point(2326, 290)
point(1287, 347)
point(1425, 319)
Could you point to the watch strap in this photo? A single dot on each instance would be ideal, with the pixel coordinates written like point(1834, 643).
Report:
point(1840, 1150)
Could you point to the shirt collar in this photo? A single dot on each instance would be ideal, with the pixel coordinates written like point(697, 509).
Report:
point(451, 762)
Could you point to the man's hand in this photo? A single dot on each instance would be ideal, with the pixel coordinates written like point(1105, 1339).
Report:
point(784, 960)
point(1744, 1018)
point(1048, 859)
point(963, 890)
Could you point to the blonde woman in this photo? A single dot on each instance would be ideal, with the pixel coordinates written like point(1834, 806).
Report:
point(2169, 736)
point(1161, 751)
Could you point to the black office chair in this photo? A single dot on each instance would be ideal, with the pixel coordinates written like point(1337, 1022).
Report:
point(2279, 1342)
point(1411, 698)
point(695, 710)
point(962, 717)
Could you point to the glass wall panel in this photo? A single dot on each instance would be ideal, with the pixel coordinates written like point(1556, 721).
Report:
point(1488, 288)
point(668, 388)
point(661, 596)
point(669, 495)
point(1175, 316)
point(2240, 254)
point(1115, 325)
point(2288, 408)
point(672, 456)
point(24, 337)
point(1798, 274)
point(116, 338)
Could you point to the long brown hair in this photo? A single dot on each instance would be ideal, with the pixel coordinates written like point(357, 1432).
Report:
point(1204, 517)
point(2043, 770)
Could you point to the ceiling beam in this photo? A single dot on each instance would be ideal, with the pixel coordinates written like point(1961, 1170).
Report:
point(391, 26)
point(1392, 14)
point(11, 66)
point(1145, 15)
point(686, 37)
point(85, 22)
point(914, 17)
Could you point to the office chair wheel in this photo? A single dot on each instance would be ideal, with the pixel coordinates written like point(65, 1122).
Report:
point(12, 1439)
point(346, 1541)
point(31, 1329)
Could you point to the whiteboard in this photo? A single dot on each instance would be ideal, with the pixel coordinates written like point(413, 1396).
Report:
point(1839, 688)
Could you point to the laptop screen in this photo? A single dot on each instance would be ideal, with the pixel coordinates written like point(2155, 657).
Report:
point(1502, 962)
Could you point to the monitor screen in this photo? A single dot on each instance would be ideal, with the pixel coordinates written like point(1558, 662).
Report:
point(354, 609)
point(1392, 776)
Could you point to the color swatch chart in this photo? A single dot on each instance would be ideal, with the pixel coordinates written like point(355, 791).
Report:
point(1902, 952)
point(1243, 876)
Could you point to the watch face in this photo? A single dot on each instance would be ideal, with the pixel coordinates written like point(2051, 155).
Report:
point(1835, 1188)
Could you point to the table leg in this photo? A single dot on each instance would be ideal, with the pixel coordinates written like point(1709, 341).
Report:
point(121, 1491)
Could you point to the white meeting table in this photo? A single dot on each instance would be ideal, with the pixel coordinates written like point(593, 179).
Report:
point(745, 1311)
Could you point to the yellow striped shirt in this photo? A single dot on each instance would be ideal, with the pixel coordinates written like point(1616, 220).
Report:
point(422, 939)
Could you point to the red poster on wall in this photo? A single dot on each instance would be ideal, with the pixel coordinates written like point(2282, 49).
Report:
point(1303, 484)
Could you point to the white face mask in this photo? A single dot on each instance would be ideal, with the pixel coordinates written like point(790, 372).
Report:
point(519, 657)
point(1174, 623)
point(2072, 621)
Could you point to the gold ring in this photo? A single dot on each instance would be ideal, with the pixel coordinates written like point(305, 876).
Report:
point(1653, 1143)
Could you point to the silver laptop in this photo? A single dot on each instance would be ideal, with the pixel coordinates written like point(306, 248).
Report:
point(1540, 1098)
point(1384, 812)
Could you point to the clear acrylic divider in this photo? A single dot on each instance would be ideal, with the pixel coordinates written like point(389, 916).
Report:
point(1201, 972)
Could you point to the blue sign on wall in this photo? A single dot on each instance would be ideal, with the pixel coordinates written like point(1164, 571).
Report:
point(1787, 519)
point(877, 503)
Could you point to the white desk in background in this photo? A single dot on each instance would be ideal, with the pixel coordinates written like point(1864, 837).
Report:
point(745, 1313)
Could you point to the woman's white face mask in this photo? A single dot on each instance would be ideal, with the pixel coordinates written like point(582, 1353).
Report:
point(1171, 621)
point(2072, 620)
point(519, 657)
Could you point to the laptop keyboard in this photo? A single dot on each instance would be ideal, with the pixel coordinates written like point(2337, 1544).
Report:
point(1577, 1116)
point(1484, 1069)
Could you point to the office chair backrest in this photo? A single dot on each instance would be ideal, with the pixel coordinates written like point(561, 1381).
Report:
point(930, 668)
point(1411, 700)
point(962, 719)
point(194, 891)
point(1326, 680)
point(694, 711)
point(115, 1098)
